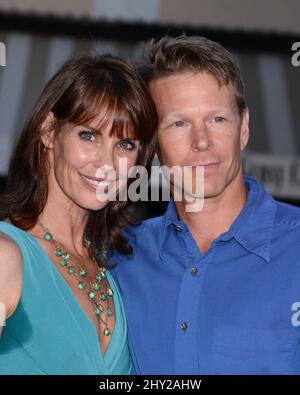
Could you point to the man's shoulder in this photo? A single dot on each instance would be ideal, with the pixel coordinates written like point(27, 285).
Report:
point(142, 235)
point(150, 225)
point(287, 215)
point(143, 238)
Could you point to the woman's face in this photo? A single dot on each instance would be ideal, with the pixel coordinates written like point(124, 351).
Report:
point(89, 165)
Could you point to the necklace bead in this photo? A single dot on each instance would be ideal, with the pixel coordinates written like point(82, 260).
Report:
point(106, 332)
point(71, 270)
point(66, 256)
point(103, 297)
point(92, 295)
point(58, 252)
point(48, 236)
point(101, 308)
point(63, 263)
point(81, 285)
point(97, 311)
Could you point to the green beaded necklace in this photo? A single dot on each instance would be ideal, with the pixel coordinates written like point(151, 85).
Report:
point(97, 295)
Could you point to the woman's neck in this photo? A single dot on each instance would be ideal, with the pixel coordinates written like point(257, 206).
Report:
point(66, 221)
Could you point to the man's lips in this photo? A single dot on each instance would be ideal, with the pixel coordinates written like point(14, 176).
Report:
point(207, 166)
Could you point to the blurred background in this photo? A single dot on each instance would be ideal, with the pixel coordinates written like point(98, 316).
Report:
point(38, 36)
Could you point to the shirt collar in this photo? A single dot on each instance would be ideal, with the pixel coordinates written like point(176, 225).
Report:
point(252, 228)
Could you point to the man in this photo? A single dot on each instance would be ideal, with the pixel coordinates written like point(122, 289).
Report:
point(215, 291)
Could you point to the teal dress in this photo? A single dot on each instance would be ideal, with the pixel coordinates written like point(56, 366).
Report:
point(49, 333)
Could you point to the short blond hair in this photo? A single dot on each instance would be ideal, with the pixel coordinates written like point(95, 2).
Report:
point(174, 55)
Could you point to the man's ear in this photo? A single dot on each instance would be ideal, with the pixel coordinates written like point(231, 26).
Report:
point(47, 130)
point(244, 137)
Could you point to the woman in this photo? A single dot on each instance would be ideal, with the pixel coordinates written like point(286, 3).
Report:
point(64, 312)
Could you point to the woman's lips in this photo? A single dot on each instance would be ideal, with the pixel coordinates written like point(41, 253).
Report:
point(95, 185)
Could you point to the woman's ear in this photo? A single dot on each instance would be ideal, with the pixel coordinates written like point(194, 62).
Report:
point(47, 131)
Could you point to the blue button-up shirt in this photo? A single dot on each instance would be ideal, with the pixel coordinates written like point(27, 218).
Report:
point(232, 310)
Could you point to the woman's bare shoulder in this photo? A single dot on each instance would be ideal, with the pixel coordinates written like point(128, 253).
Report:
point(10, 273)
point(8, 247)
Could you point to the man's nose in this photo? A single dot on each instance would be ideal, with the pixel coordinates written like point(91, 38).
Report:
point(201, 140)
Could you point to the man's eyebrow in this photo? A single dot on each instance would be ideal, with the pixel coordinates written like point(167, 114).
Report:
point(187, 112)
point(176, 114)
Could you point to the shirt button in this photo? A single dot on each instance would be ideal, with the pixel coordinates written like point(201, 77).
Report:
point(194, 271)
point(178, 229)
point(184, 326)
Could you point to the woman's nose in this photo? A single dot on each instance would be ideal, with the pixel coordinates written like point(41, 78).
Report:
point(104, 156)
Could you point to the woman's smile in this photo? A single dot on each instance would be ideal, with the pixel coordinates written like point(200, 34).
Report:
point(95, 184)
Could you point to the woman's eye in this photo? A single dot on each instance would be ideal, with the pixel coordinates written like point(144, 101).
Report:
point(127, 145)
point(178, 124)
point(219, 119)
point(87, 135)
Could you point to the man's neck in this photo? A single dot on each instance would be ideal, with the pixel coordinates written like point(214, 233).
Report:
point(217, 214)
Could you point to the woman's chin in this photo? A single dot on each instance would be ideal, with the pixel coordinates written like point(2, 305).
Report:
point(92, 204)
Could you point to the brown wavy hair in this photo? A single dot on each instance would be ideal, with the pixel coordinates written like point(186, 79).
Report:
point(82, 88)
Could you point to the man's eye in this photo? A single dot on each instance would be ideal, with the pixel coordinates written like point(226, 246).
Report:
point(127, 145)
point(219, 119)
point(87, 135)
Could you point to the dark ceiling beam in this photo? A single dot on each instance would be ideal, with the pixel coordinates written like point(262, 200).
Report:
point(85, 28)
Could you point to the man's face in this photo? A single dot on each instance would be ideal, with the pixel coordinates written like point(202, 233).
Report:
point(200, 125)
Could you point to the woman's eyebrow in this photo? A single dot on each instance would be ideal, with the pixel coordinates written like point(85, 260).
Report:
point(91, 128)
